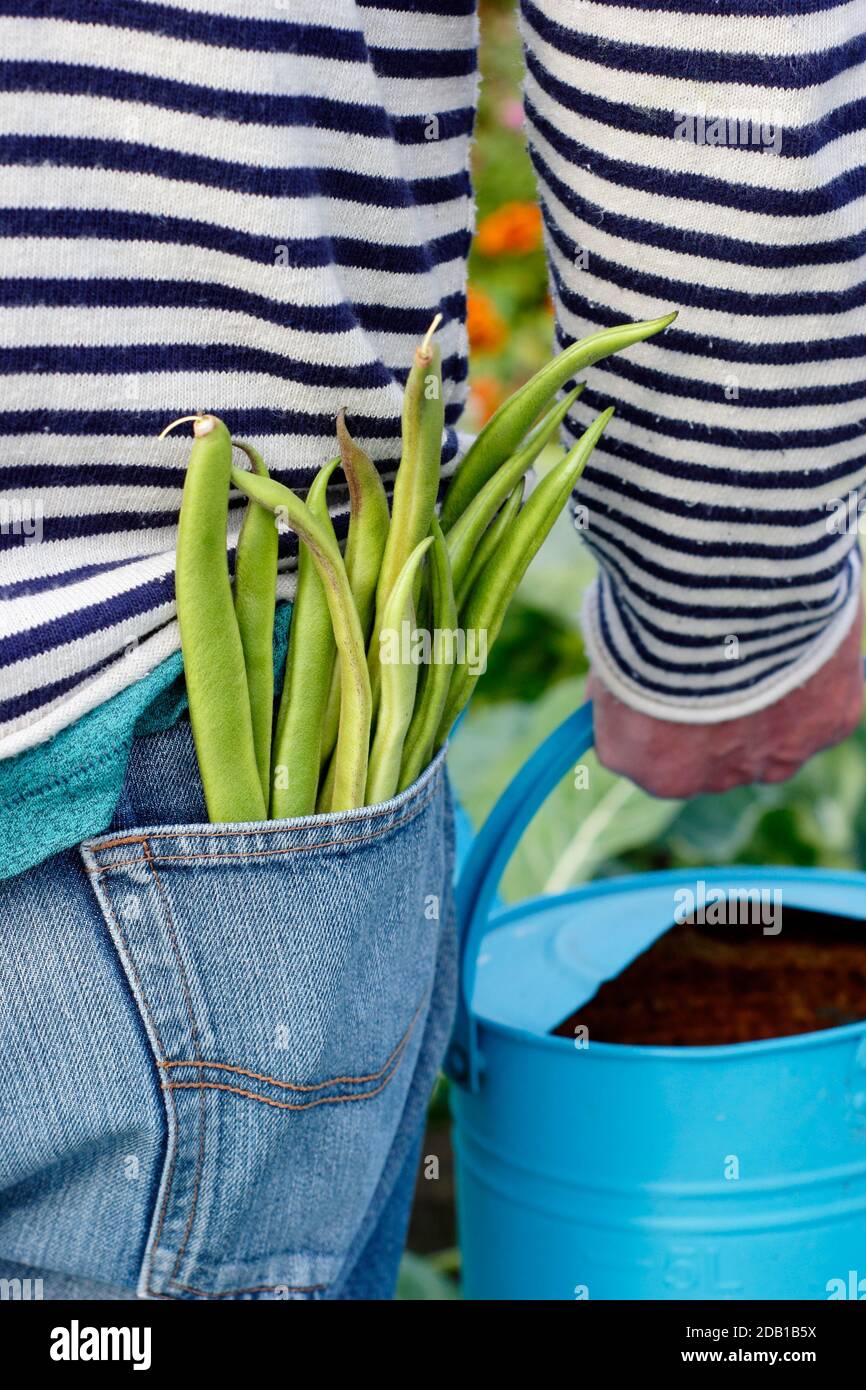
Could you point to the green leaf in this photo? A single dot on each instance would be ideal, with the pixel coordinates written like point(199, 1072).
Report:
point(716, 829)
point(419, 1280)
point(815, 818)
point(578, 828)
point(564, 567)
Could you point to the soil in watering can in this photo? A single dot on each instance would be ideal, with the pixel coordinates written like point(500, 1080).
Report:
point(701, 985)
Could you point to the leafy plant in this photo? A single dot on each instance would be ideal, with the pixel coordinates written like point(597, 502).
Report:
point(423, 1278)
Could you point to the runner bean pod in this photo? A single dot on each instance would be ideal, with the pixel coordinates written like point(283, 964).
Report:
point(365, 545)
point(508, 425)
point(416, 486)
point(436, 678)
point(466, 533)
point(310, 661)
point(353, 742)
point(213, 655)
point(255, 605)
point(399, 682)
point(488, 601)
point(490, 542)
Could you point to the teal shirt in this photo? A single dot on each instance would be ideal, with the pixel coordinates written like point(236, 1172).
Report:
point(62, 792)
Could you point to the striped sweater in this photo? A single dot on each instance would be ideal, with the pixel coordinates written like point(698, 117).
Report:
point(255, 207)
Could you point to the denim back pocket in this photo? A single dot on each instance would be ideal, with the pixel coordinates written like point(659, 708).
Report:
point(283, 973)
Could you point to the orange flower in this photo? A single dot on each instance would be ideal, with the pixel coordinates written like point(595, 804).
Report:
point(513, 230)
point(485, 396)
point(484, 323)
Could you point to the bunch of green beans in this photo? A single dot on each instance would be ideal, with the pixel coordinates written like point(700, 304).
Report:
point(360, 716)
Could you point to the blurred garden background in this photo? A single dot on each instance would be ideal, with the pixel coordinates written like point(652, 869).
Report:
point(536, 674)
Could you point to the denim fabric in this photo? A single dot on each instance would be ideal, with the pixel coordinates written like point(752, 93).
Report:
point(218, 1043)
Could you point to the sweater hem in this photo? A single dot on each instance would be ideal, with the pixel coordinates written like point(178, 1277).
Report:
point(710, 709)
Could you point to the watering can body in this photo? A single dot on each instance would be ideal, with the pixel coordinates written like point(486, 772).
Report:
point(597, 1170)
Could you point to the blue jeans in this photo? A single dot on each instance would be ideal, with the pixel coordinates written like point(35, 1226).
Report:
point(218, 1043)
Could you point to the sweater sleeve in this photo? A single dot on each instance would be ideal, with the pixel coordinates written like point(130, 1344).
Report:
point(710, 155)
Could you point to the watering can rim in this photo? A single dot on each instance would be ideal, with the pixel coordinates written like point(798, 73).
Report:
point(598, 887)
point(684, 1052)
point(635, 882)
point(479, 880)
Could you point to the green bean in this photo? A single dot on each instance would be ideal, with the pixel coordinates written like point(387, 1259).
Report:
point(468, 528)
point(331, 719)
point(368, 522)
point(368, 531)
point(488, 601)
point(255, 604)
point(326, 790)
point(213, 656)
point(429, 706)
point(508, 425)
point(310, 661)
point(351, 754)
point(399, 684)
point(490, 542)
point(416, 485)
point(466, 533)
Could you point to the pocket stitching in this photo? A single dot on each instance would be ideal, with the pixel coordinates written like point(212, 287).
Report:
point(187, 994)
point(255, 1288)
point(134, 968)
point(391, 1066)
point(262, 828)
point(154, 1244)
point(398, 1054)
point(151, 858)
point(284, 1104)
point(297, 1085)
point(152, 1021)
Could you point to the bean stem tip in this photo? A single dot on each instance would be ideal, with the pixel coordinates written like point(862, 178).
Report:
point(181, 420)
point(424, 349)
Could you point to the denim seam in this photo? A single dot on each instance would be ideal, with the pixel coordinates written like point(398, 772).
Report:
point(388, 1070)
point(175, 946)
point(297, 1085)
point(145, 1008)
point(134, 968)
point(202, 1108)
point(376, 823)
point(396, 1057)
point(252, 853)
point(255, 1288)
point(364, 813)
point(148, 858)
point(284, 1104)
point(154, 1244)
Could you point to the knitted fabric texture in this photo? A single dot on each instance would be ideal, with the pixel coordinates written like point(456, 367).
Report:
point(710, 155)
point(256, 210)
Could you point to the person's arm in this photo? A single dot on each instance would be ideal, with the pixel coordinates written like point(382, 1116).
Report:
point(681, 164)
point(680, 760)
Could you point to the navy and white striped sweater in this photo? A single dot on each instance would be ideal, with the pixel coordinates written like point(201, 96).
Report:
point(255, 208)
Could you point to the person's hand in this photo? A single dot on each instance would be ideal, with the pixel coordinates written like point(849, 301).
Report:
point(680, 760)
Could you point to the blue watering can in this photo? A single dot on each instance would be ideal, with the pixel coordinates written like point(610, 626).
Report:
point(633, 1172)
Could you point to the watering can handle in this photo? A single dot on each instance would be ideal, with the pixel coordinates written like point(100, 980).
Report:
point(486, 862)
